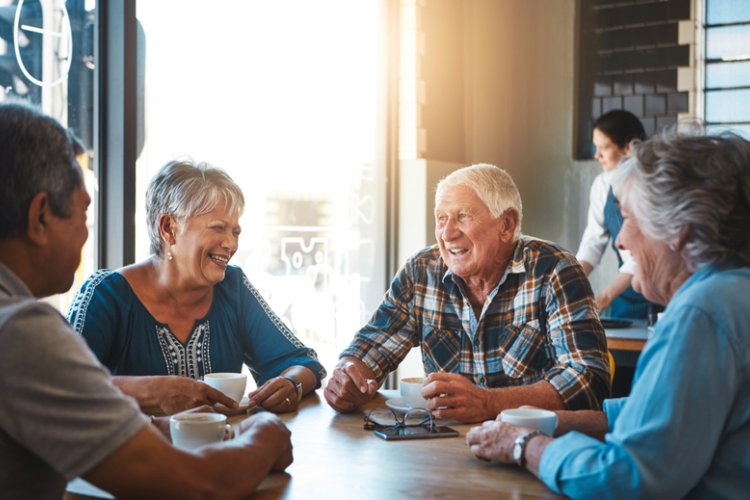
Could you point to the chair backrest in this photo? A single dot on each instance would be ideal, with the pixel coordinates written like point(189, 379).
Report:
point(611, 367)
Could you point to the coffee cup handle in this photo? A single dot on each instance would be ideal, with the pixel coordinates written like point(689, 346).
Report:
point(228, 432)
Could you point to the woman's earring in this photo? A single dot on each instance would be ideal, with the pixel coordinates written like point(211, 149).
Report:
point(169, 255)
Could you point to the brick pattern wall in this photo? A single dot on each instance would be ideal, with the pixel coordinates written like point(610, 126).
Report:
point(627, 58)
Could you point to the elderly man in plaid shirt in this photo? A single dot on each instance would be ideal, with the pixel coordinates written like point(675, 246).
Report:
point(502, 319)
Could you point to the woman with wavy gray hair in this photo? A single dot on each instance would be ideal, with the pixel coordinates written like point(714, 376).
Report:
point(685, 428)
point(162, 324)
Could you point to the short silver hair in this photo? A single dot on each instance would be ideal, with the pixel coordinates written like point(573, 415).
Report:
point(677, 183)
point(493, 185)
point(184, 189)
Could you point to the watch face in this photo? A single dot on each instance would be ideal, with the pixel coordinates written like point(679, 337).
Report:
point(517, 452)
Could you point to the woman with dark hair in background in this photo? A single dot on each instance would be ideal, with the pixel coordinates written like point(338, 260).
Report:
point(613, 133)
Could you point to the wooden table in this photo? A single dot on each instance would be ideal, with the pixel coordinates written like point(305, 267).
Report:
point(335, 458)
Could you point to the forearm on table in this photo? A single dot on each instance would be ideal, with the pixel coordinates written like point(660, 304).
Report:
point(142, 389)
point(590, 422)
point(541, 394)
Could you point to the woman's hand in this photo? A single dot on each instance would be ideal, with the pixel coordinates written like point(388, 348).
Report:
point(278, 395)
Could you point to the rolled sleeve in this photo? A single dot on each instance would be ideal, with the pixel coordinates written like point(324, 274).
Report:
point(581, 373)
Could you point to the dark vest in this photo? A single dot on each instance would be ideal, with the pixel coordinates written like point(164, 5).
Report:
point(629, 304)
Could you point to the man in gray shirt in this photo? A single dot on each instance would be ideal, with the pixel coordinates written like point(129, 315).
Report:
point(60, 415)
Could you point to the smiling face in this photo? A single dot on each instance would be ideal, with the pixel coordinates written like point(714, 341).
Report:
point(203, 245)
point(608, 153)
point(656, 264)
point(473, 245)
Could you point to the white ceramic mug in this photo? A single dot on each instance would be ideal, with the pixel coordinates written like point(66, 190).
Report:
point(411, 391)
point(193, 430)
point(231, 384)
point(541, 420)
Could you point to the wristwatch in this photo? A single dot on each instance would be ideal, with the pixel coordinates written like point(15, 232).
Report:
point(297, 386)
point(519, 448)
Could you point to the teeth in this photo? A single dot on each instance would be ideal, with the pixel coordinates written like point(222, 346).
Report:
point(219, 259)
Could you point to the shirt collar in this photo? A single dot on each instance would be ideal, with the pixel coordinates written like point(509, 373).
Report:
point(516, 266)
point(11, 285)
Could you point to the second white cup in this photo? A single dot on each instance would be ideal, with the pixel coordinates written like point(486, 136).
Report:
point(193, 430)
point(231, 384)
point(540, 420)
point(411, 391)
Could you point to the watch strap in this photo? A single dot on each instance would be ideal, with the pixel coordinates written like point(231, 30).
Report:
point(520, 447)
point(297, 386)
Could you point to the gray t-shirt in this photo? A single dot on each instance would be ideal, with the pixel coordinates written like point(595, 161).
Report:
point(60, 414)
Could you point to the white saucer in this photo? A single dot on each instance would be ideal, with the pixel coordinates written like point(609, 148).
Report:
point(399, 406)
point(244, 403)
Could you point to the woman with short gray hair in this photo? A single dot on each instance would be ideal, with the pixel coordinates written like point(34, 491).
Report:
point(162, 324)
point(685, 428)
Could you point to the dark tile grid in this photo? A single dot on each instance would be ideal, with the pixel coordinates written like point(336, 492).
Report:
point(627, 59)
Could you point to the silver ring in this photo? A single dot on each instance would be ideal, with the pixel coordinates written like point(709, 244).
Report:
point(288, 401)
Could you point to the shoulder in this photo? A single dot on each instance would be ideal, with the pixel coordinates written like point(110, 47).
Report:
point(537, 251)
point(424, 266)
point(719, 293)
point(105, 287)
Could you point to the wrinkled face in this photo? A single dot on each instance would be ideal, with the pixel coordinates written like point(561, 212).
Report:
point(656, 264)
point(204, 244)
point(608, 153)
point(68, 236)
point(471, 242)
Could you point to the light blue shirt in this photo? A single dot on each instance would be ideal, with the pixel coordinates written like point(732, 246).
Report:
point(685, 428)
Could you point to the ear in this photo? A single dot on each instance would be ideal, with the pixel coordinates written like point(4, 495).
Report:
point(508, 224)
point(39, 216)
point(167, 228)
point(626, 149)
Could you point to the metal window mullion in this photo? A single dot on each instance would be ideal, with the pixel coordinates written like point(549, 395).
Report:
point(115, 124)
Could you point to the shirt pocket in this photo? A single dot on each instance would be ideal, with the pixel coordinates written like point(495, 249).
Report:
point(524, 352)
point(441, 349)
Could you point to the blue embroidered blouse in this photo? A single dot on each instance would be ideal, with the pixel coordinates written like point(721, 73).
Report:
point(240, 327)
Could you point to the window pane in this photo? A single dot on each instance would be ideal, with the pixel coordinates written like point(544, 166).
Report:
point(728, 42)
point(54, 69)
point(283, 96)
point(743, 130)
point(727, 105)
point(732, 74)
point(727, 11)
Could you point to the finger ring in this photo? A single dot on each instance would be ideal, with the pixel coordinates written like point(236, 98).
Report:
point(288, 401)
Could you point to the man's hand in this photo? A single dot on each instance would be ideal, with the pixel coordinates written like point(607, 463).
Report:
point(452, 396)
point(268, 431)
point(176, 394)
point(351, 385)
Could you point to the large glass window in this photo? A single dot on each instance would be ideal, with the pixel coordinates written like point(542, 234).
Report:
point(47, 58)
point(727, 66)
point(284, 97)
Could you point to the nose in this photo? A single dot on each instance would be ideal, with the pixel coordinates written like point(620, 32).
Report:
point(449, 230)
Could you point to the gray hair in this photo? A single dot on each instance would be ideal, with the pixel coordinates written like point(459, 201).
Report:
point(696, 185)
point(493, 185)
point(37, 154)
point(184, 189)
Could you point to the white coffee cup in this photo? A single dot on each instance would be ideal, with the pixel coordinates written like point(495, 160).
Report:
point(411, 391)
point(193, 430)
point(541, 420)
point(231, 384)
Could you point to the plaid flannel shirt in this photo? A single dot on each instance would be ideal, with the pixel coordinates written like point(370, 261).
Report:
point(540, 323)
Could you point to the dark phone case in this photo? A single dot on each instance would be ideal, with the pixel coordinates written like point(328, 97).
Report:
point(415, 433)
